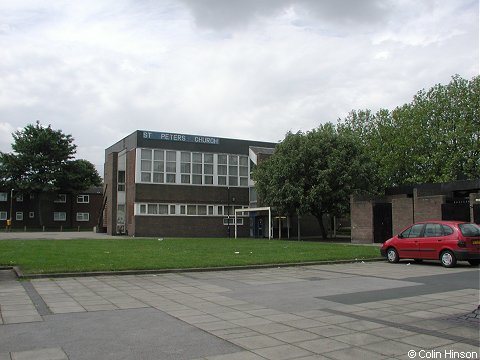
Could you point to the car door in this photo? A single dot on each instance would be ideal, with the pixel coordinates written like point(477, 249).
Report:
point(428, 245)
point(408, 242)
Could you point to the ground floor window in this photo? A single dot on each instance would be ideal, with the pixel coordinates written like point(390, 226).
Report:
point(3, 215)
point(82, 216)
point(159, 209)
point(231, 221)
point(59, 216)
point(19, 216)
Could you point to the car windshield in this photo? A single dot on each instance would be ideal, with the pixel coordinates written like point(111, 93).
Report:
point(469, 229)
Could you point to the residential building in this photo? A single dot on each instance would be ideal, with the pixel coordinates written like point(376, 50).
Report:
point(54, 211)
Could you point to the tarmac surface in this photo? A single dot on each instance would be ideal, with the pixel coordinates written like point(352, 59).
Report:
point(344, 311)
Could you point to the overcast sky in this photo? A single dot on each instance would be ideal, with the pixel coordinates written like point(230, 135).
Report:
point(247, 69)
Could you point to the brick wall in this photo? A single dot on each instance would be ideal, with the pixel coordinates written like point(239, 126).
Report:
point(429, 207)
point(187, 226)
point(402, 213)
point(361, 221)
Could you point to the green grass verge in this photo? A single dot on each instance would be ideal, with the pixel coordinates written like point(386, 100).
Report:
point(50, 256)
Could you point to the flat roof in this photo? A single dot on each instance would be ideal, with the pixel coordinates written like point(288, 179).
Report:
point(187, 142)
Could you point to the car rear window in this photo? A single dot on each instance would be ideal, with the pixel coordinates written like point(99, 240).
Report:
point(469, 229)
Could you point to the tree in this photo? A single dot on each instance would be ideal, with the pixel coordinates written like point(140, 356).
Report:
point(434, 138)
point(42, 162)
point(315, 173)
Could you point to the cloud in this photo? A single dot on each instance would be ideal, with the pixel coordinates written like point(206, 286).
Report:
point(240, 69)
point(220, 14)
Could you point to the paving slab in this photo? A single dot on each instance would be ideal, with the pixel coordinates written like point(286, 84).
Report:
point(369, 310)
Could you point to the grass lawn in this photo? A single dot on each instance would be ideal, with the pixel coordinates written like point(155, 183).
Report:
point(48, 256)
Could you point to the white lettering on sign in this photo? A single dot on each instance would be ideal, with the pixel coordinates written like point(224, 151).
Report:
point(180, 137)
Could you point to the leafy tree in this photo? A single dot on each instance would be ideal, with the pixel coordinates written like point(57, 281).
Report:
point(315, 173)
point(434, 138)
point(42, 162)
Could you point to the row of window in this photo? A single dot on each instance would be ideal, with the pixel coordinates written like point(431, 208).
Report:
point(57, 216)
point(186, 209)
point(183, 167)
point(61, 198)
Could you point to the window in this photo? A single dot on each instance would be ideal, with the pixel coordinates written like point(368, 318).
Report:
point(162, 209)
point(19, 198)
point(121, 180)
point(146, 165)
point(61, 198)
point(197, 168)
point(202, 209)
point(231, 220)
point(185, 167)
point(59, 216)
point(19, 216)
point(171, 166)
point(432, 230)
point(208, 169)
point(191, 210)
point(3, 196)
point(3, 215)
point(83, 216)
point(412, 232)
point(152, 209)
point(470, 229)
point(31, 214)
point(158, 166)
point(222, 169)
point(447, 230)
point(188, 210)
point(83, 199)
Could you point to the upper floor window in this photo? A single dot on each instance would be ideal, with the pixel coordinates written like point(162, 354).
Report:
point(195, 168)
point(61, 198)
point(3, 196)
point(19, 198)
point(121, 180)
point(83, 199)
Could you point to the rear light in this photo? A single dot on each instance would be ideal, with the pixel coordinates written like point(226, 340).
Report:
point(461, 243)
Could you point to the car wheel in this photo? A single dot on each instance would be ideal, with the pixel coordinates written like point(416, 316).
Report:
point(448, 259)
point(418, 261)
point(392, 255)
point(474, 262)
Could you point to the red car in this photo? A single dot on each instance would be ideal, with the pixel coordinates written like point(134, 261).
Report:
point(447, 241)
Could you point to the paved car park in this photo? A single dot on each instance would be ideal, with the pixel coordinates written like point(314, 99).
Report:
point(345, 311)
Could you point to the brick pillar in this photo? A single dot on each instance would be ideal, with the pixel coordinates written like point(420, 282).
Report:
point(429, 207)
point(361, 214)
point(402, 213)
